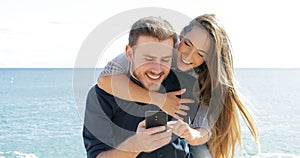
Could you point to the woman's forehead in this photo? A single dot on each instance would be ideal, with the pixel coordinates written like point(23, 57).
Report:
point(199, 37)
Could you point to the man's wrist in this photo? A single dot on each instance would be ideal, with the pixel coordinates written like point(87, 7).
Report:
point(126, 147)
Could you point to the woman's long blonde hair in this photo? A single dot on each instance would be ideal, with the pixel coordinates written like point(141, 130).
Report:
point(219, 92)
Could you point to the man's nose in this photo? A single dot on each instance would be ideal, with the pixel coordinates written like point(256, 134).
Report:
point(156, 69)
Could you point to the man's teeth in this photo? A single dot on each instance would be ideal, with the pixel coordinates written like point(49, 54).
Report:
point(184, 61)
point(153, 76)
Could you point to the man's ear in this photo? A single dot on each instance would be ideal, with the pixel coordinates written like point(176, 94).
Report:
point(129, 53)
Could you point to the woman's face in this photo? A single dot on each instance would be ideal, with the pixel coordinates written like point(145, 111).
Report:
point(193, 48)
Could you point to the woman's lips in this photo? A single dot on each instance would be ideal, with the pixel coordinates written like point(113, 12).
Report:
point(184, 61)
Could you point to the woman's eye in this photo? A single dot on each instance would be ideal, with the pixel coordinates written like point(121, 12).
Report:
point(187, 43)
point(201, 54)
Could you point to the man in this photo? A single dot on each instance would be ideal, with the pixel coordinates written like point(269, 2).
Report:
point(114, 127)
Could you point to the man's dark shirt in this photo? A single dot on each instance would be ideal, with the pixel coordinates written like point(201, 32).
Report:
point(110, 120)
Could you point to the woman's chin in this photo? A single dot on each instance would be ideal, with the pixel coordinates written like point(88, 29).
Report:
point(184, 67)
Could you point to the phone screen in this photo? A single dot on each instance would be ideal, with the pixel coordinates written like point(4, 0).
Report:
point(156, 118)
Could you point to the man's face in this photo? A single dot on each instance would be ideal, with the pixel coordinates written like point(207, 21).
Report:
point(150, 60)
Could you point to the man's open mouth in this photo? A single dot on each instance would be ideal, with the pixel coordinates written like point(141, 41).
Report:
point(153, 76)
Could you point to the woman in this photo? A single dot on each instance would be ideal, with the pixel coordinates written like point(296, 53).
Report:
point(204, 52)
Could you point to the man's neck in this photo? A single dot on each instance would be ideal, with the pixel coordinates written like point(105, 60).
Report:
point(137, 82)
point(134, 80)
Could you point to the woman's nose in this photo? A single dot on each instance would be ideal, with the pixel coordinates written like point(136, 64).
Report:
point(187, 54)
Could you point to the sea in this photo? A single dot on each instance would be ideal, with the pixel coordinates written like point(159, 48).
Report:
point(41, 112)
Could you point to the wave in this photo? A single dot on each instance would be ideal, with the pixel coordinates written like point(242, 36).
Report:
point(274, 155)
point(17, 154)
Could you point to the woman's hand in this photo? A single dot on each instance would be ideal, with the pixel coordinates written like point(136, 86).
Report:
point(170, 103)
point(193, 136)
point(183, 130)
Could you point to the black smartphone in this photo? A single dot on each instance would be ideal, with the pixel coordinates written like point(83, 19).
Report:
point(156, 118)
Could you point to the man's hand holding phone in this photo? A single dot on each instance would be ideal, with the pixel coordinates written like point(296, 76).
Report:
point(156, 118)
point(147, 139)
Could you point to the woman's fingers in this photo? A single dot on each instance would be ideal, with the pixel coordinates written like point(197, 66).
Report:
point(186, 101)
point(179, 92)
point(184, 107)
point(180, 112)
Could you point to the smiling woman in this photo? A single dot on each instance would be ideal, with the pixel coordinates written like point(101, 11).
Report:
point(194, 47)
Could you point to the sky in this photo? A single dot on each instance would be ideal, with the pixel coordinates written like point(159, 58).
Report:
point(50, 33)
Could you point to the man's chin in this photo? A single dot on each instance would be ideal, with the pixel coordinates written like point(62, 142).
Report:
point(154, 87)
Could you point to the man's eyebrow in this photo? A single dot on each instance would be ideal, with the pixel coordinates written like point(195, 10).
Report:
point(169, 56)
point(150, 56)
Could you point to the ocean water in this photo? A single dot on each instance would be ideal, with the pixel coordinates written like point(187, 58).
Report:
point(39, 118)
